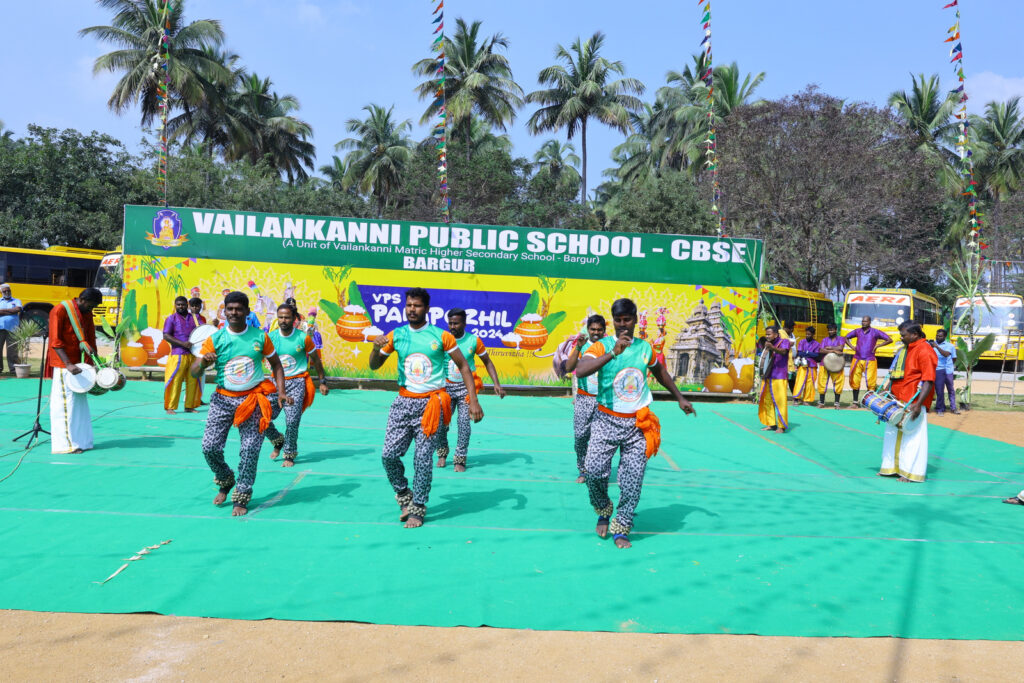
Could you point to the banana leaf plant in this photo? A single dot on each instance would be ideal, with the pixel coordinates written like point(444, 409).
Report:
point(967, 357)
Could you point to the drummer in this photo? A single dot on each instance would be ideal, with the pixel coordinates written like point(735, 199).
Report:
point(72, 339)
point(195, 310)
point(865, 364)
point(905, 444)
point(808, 349)
point(833, 343)
point(773, 410)
point(177, 329)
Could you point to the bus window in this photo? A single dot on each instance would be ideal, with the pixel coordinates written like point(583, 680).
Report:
point(5, 275)
point(79, 278)
point(826, 312)
point(887, 313)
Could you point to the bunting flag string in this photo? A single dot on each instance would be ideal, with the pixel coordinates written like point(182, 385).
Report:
point(163, 102)
point(963, 142)
point(711, 142)
point(440, 131)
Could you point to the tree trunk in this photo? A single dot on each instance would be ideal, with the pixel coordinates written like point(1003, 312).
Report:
point(469, 142)
point(583, 142)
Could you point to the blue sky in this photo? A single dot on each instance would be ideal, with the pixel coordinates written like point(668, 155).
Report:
point(338, 55)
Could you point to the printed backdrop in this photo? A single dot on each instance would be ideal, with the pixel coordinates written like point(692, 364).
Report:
point(526, 291)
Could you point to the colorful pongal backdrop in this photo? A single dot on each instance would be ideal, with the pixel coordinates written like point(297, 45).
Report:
point(523, 295)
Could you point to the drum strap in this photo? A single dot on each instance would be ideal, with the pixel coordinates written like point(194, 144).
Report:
point(896, 369)
point(76, 325)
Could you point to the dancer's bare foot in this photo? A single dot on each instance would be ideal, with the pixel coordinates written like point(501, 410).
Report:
point(602, 528)
point(276, 452)
point(623, 542)
point(581, 479)
point(768, 429)
point(909, 480)
point(239, 510)
point(219, 499)
point(887, 475)
point(191, 410)
point(169, 412)
point(459, 467)
point(413, 522)
point(288, 462)
point(442, 461)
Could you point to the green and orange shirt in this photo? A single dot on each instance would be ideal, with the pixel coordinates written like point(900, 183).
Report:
point(422, 356)
point(471, 347)
point(622, 381)
point(239, 357)
point(294, 350)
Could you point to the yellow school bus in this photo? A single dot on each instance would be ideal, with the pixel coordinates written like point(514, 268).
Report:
point(109, 281)
point(803, 308)
point(42, 278)
point(888, 307)
point(1003, 316)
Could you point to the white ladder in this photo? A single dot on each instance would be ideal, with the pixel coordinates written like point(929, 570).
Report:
point(1006, 390)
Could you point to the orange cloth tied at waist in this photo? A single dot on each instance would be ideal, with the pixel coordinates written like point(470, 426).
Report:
point(648, 424)
point(254, 398)
point(439, 406)
point(477, 382)
point(586, 393)
point(308, 400)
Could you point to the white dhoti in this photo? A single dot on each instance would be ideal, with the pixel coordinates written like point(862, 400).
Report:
point(70, 422)
point(905, 450)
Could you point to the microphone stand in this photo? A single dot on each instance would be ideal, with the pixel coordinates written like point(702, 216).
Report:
point(37, 428)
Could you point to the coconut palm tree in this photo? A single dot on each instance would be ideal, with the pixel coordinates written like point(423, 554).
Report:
point(214, 122)
point(272, 132)
point(137, 29)
point(639, 156)
point(583, 87)
point(559, 163)
point(478, 82)
point(928, 111)
point(1000, 138)
point(378, 154)
point(729, 92)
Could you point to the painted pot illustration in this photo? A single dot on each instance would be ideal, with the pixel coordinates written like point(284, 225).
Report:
point(371, 333)
point(742, 372)
point(718, 381)
point(133, 355)
point(533, 334)
point(511, 340)
point(351, 326)
point(151, 339)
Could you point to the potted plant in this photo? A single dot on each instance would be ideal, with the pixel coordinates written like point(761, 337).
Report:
point(21, 337)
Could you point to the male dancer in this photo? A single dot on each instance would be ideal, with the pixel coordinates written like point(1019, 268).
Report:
point(833, 343)
point(773, 409)
point(905, 444)
point(807, 348)
point(243, 398)
point(422, 403)
point(296, 350)
point(623, 422)
point(471, 347)
point(585, 404)
point(864, 359)
point(177, 329)
point(788, 333)
point(72, 342)
point(195, 309)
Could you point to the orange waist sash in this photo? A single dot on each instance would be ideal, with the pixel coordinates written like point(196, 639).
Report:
point(254, 398)
point(477, 382)
point(648, 424)
point(439, 406)
point(308, 400)
point(587, 393)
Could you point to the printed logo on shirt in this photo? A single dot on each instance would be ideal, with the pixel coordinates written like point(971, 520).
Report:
point(434, 346)
point(239, 373)
point(418, 368)
point(629, 384)
point(288, 363)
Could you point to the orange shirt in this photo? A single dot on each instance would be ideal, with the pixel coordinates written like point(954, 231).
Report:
point(919, 367)
point(62, 335)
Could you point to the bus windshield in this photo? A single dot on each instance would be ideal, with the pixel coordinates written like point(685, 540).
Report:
point(998, 320)
point(881, 314)
point(108, 276)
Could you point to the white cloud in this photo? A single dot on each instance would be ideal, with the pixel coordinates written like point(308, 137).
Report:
point(987, 86)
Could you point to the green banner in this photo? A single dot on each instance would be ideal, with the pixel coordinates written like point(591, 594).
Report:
point(438, 247)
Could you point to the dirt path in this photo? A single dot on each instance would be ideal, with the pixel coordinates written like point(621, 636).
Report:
point(144, 647)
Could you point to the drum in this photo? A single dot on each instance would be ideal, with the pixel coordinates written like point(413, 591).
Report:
point(111, 379)
point(84, 382)
point(200, 335)
point(884, 405)
point(764, 364)
point(834, 362)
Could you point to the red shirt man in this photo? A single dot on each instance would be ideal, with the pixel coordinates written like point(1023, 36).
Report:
point(62, 335)
point(918, 367)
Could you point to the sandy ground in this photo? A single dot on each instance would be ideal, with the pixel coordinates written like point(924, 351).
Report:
point(143, 647)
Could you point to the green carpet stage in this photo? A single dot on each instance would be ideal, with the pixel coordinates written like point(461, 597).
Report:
point(736, 532)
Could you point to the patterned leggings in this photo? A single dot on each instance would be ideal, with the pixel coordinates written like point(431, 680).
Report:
point(457, 390)
point(218, 423)
point(404, 426)
point(609, 433)
point(583, 415)
point(296, 389)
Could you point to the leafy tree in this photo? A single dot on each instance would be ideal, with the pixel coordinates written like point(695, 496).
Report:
point(272, 131)
point(559, 163)
point(478, 82)
point(136, 30)
point(666, 203)
point(583, 87)
point(378, 154)
point(927, 111)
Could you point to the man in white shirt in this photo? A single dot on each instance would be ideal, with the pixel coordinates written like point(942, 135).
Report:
point(946, 353)
point(10, 313)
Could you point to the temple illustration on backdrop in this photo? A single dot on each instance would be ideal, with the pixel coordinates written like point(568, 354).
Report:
point(701, 345)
